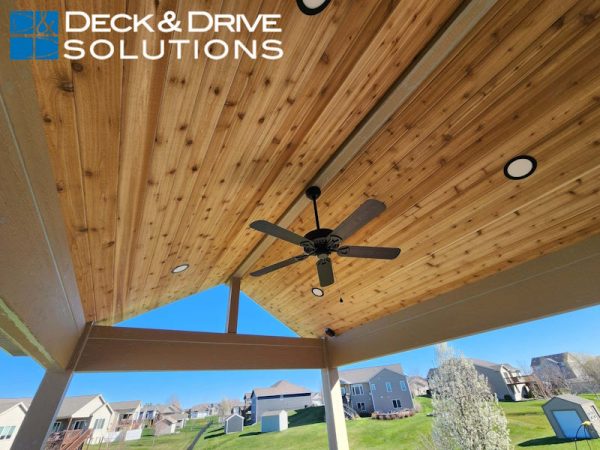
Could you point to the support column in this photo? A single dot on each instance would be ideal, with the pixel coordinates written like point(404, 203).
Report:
point(233, 306)
point(334, 410)
point(42, 411)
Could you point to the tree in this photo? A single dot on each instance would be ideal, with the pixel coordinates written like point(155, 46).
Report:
point(589, 366)
point(174, 400)
point(553, 379)
point(225, 407)
point(466, 414)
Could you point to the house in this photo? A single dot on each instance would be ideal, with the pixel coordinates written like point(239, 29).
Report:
point(12, 413)
point(126, 415)
point(418, 386)
point(282, 395)
point(505, 381)
point(165, 425)
point(564, 366)
point(378, 388)
point(566, 414)
point(150, 413)
point(85, 412)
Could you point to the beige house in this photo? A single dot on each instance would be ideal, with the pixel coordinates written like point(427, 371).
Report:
point(12, 413)
point(86, 412)
point(565, 366)
point(126, 415)
point(418, 385)
point(505, 381)
point(165, 425)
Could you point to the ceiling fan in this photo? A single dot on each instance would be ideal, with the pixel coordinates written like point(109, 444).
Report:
point(321, 242)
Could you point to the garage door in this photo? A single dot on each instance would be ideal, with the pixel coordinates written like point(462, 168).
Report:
point(569, 423)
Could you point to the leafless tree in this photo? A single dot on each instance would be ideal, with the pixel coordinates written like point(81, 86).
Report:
point(589, 367)
point(225, 407)
point(553, 381)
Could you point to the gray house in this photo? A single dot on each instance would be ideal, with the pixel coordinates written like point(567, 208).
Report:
point(380, 388)
point(561, 365)
point(283, 395)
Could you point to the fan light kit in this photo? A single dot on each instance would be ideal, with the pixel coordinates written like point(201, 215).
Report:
point(312, 7)
point(321, 242)
point(180, 268)
point(317, 292)
point(520, 167)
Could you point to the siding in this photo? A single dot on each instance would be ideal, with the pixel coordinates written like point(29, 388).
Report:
point(263, 405)
point(382, 400)
point(12, 417)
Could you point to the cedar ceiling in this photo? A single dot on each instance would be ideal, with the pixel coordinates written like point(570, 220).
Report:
point(163, 162)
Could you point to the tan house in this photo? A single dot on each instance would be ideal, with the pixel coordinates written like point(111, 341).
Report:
point(86, 412)
point(165, 425)
point(126, 415)
point(505, 381)
point(12, 413)
point(418, 385)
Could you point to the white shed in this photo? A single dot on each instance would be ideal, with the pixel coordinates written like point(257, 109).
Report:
point(567, 414)
point(274, 421)
point(234, 424)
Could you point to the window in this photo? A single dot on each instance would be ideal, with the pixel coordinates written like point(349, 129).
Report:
point(403, 385)
point(396, 403)
point(361, 406)
point(357, 389)
point(79, 425)
point(372, 387)
point(343, 391)
point(388, 386)
point(56, 427)
point(6, 432)
point(99, 424)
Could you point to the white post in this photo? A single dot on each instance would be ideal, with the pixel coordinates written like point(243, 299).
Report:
point(334, 410)
point(42, 411)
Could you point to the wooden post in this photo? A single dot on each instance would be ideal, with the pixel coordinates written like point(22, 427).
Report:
point(42, 412)
point(233, 306)
point(334, 410)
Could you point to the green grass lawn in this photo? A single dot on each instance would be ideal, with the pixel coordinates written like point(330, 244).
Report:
point(528, 429)
point(178, 441)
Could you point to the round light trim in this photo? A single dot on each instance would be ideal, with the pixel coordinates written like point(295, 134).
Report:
point(180, 268)
point(312, 7)
point(520, 167)
point(317, 292)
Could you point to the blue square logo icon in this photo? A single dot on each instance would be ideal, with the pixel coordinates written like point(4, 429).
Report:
point(34, 35)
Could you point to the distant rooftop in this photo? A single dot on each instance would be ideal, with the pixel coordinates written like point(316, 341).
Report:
point(364, 374)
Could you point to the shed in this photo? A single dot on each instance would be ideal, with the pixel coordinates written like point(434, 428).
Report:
point(166, 425)
point(274, 421)
point(234, 424)
point(566, 413)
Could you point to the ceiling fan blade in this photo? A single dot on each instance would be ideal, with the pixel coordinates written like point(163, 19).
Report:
point(278, 265)
point(280, 233)
point(359, 218)
point(325, 271)
point(354, 251)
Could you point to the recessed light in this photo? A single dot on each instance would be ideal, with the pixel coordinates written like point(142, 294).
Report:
point(180, 268)
point(520, 167)
point(312, 7)
point(317, 292)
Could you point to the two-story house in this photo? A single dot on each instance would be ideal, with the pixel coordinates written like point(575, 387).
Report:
point(283, 395)
point(380, 388)
point(505, 381)
point(565, 366)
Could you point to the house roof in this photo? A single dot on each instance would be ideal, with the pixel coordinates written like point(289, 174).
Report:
point(364, 374)
point(170, 419)
point(8, 403)
point(571, 398)
point(417, 381)
point(557, 357)
point(234, 415)
point(126, 405)
point(491, 365)
point(70, 405)
point(282, 387)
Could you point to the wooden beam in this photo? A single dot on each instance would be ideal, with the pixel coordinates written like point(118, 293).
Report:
point(559, 282)
point(443, 44)
point(233, 305)
point(41, 309)
point(116, 349)
point(42, 412)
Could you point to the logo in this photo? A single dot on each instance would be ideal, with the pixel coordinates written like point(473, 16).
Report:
point(33, 35)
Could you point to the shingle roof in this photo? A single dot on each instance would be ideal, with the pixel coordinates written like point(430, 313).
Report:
point(282, 387)
point(573, 399)
point(69, 405)
point(490, 365)
point(363, 375)
point(126, 405)
point(8, 403)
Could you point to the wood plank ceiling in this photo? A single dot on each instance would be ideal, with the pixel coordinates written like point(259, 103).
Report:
point(163, 162)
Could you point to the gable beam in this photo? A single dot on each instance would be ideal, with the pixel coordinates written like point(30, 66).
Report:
point(555, 283)
point(233, 305)
point(119, 349)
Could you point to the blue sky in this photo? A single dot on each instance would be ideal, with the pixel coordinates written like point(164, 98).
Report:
point(19, 377)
